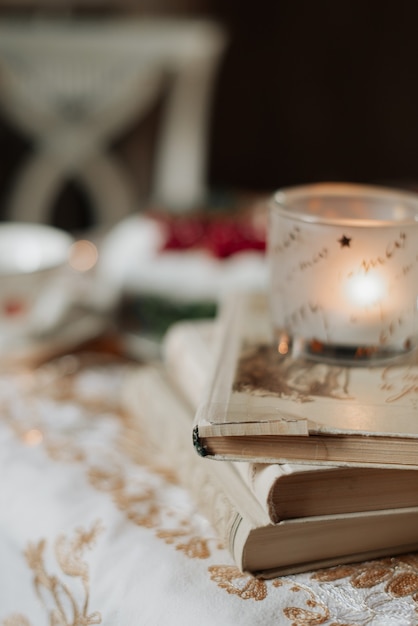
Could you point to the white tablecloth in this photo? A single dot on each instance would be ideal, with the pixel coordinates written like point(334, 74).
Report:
point(90, 536)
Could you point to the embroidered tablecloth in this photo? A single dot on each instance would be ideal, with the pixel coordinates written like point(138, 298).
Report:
point(89, 535)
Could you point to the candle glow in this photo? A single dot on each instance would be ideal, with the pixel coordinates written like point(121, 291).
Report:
point(365, 290)
point(344, 268)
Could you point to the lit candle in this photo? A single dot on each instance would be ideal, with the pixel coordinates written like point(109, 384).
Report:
point(344, 268)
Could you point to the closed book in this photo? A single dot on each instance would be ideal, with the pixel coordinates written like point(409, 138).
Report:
point(285, 490)
point(262, 406)
point(257, 545)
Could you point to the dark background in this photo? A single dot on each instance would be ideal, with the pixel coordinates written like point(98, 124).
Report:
point(307, 91)
point(317, 91)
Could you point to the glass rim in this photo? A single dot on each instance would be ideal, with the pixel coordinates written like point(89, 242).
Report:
point(14, 233)
point(284, 201)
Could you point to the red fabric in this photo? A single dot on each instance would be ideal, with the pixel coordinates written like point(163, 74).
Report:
point(221, 236)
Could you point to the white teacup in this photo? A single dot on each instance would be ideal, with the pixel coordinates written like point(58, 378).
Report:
point(33, 279)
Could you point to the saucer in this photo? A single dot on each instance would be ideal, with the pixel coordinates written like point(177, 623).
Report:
point(77, 327)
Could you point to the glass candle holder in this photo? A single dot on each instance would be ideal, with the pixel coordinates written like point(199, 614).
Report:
point(343, 263)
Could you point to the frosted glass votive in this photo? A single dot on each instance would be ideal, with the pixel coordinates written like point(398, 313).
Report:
point(343, 263)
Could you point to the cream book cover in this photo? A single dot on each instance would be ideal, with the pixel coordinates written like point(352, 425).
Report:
point(265, 407)
point(285, 490)
point(157, 412)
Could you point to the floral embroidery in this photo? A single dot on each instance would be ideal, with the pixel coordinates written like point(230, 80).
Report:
point(66, 597)
point(139, 506)
point(303, 617)
point(138, 501)
point(311, 613)
point(195, 547)
point(65, 605)
point(399, 573)
point(237, 583)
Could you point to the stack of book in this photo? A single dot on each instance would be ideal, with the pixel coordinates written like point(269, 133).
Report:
point(298, 464)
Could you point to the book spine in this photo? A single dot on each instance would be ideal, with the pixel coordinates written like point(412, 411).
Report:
point(256, 545)
point(262, 480)
point(167, 423)
point(187, 351)
point(188, 354)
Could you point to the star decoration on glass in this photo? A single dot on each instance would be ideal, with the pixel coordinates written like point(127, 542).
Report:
point(345, 241)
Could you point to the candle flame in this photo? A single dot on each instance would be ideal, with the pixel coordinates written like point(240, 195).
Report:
point(365, 289)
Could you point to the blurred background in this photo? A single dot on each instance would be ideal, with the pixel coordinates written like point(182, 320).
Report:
point(304, 91)
point(111, 109)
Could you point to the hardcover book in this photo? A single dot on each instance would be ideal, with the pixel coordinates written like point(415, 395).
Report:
point(285, 490)
point(264, 407)
point(257, 545)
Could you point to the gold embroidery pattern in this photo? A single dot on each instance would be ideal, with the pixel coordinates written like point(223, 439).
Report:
point(141, 502)
point(399, 575)
point(311, 611)
point(66, 606)
point(142, 506)
point(237, 583)
point(137, 500)
point(16, 620)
